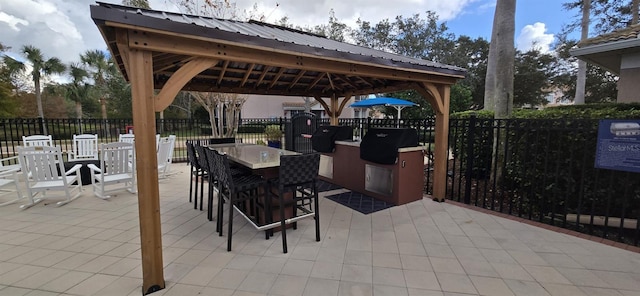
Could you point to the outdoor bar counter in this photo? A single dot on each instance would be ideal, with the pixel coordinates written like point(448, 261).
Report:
point(398, 183)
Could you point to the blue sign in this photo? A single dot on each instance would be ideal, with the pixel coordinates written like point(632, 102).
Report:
point(618, 145)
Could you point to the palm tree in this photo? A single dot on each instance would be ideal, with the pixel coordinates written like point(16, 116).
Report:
point(99, 66)
point(78, 89)
point(498, 91)
point(41, 68)
point(581, 79)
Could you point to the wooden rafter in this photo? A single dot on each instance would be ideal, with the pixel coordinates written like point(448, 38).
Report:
point(265, 70)
point(170, 64)
point(247, 74)
point(276, 78)
point(295, 80)
point(222, 72)
point(315, 81)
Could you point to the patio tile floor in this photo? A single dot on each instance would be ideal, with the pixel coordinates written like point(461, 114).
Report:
point(91, 247)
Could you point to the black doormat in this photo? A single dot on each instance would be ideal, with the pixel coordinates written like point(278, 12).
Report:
point(326, 186)
point(362, 203)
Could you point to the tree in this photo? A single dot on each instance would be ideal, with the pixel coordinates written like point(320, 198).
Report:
point(41, 69)
point(533, 77)
point(498, 92)
point(137, 3)
point(8, 103)
point(334, 30)
point(582, 65)
point(605, 15)
point(471, 54)
point(600, 86)
point(223, 109)
point(78, 90)
point(98, 65)
point(224, 112)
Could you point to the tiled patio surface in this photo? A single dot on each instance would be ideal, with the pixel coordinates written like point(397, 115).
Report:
point(92, 247)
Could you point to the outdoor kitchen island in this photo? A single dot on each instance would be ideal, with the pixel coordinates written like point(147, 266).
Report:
point(398, 183)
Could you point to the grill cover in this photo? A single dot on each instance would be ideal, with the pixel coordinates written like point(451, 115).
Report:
point(380, 145)
point(323, 139)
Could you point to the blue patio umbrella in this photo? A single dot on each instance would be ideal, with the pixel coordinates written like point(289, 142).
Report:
point(384, 101)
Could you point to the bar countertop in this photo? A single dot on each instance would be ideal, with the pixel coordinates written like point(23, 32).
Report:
point(252, 156)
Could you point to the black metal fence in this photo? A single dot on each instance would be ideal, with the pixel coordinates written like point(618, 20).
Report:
point(543, 170)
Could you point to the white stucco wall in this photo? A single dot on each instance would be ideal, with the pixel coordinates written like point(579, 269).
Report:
point(258, 106)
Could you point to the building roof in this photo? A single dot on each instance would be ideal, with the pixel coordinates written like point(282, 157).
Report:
point(608, 49)
point(232, 41)
point(627, 33)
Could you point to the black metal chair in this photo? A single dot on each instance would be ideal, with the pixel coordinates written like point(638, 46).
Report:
point(196, 171)
point(238, 189)
point(213, 178)
point(298, 174)
point(204, 166)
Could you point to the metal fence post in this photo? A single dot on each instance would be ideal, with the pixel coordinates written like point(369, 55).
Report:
point(470, 155)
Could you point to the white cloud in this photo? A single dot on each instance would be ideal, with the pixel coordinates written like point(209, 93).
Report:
point(534, 36)
point(12, 21)
point(64, 28)
point(310, 13)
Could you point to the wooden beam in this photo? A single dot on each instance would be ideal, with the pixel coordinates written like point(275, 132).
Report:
point(346, 99)
point(295, 80)
point(169, 63)
point(224, 69)
point(333, 87)
point(144, 120)
point(265, 70)
point(247, 74)
point(315, 81)
point(441, 153)
point(428, 96)
point(324, 105)
point(155, 41)
point(177, 81)
point(435, 92)
point(275, 78)
point(122, 40)
point(346, 80)
point(334, 110)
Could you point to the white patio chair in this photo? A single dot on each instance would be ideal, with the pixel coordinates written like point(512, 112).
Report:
point(45, 169)
point(130, 138)
point(165, 155)
point(9, 163)
point(116, 168)
point(8, 175)
point(37, 140)
point(85, 147)
point(127, 138)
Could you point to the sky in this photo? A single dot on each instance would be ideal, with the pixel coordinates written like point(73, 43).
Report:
point(64, 28)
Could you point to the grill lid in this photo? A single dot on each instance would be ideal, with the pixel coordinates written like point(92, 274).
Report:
point(323, 139)
point(380, 145)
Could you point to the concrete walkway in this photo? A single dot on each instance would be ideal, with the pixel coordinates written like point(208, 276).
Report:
point(92, 247)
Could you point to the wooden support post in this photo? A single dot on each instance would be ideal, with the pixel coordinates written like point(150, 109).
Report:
point(438, 97)
point(144, 123)
point(441, 145)
point(334, 110)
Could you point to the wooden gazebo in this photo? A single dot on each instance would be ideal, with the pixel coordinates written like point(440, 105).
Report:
point(171, 52)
